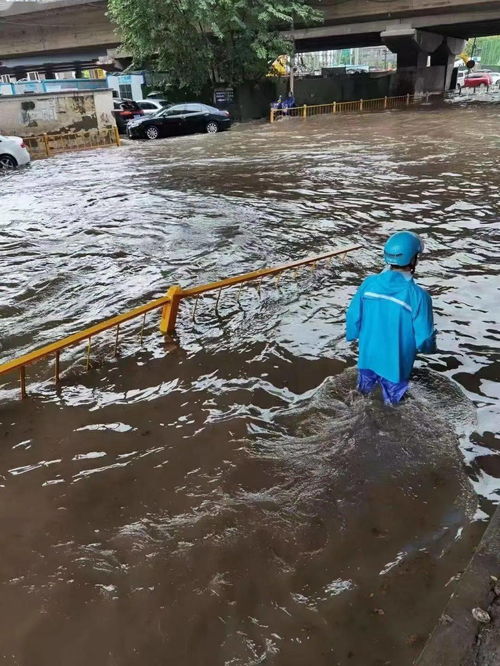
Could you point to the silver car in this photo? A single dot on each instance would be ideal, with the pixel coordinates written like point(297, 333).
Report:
point(152, 105)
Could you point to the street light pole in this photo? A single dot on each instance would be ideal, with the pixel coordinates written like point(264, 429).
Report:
point(292, 62)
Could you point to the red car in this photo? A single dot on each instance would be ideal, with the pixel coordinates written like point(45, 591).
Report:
point(480, 80)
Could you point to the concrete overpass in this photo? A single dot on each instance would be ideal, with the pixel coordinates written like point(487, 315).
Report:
point(45, 35)
point(34, 33)
point(417, 30)
point(357, 23)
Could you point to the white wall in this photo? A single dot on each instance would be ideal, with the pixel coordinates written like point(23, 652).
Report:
point(135, 81)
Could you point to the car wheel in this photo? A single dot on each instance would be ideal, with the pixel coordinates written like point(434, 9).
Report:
point(7, 162)
point(212, 127)
point(483, 87)
point(152, 132)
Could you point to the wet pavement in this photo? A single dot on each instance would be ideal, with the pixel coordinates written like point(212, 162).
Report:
point(226, 497)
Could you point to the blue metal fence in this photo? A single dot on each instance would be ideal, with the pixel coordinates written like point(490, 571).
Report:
point(51, 85)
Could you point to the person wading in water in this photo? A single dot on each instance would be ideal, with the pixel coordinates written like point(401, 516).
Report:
point(392, 318)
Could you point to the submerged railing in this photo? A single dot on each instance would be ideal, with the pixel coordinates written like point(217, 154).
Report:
point(378, 104)
point(170, 306)
point(45, 145)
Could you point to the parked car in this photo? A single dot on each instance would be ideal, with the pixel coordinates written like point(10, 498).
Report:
point(180, 119)
point(13, 152)
point(481, 80)
point(125, 110)
point(495, 77)
point(152, 106)
point(461, 74)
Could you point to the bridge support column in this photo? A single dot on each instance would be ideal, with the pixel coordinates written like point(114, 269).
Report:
point(413, 48)
point(446, 55)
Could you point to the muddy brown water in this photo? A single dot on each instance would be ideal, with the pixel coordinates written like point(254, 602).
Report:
point(226, 497)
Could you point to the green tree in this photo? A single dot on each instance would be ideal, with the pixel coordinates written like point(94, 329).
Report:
point(208, 41)
point(490, 50)
point(487, 47)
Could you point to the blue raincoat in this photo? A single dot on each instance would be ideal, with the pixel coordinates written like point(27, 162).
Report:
point(392, 318)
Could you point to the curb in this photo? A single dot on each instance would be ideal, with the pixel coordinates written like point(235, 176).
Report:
point(459, 639)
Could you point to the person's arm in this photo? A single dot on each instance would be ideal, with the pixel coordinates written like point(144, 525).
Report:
point(353, 316)
point(423, 326)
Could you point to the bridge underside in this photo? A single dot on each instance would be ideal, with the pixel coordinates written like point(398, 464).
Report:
point(426, 44)
point(345, 33)
point(320, 40)
point(64, 32)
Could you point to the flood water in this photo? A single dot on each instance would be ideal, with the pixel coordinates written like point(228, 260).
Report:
point(225, 497)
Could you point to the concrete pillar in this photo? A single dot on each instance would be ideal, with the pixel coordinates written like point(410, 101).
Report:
point(446, 55)
point(413, 48)
point(411, 43)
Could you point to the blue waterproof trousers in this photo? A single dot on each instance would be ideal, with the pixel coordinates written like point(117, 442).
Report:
point(393, 392)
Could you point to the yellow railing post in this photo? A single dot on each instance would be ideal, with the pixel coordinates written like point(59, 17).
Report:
point(304, 111)
point(335, 107)
point(271, 115)
point(407, 98)
point(57, 368)
point(361, 105)
point(22, 382)
point(46, 145)
point(170, 309)
point(385, 102)
point(117, 136)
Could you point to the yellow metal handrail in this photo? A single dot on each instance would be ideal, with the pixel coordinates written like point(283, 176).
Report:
point(45, 145)
point(346, 107)
point(169, 304)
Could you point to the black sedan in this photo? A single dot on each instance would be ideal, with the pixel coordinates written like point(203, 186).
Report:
point(180, 119)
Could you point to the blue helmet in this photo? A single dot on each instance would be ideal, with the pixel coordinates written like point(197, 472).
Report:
point(402, 248)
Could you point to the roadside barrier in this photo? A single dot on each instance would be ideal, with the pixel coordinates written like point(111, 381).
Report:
point(45, 145)
point(378, 104)
point(169, 305)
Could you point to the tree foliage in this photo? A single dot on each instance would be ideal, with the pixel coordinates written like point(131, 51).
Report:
point(208, 41)
point(486, 47)
point(490, 50)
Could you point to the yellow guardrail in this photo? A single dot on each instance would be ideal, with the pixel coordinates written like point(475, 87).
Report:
point(376, 104)
point(45, 145)
point(170, 306)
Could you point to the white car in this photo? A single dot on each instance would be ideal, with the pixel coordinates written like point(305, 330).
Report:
point(461, 75)
point(151, 106)
point(13, 152)
point(495, 77)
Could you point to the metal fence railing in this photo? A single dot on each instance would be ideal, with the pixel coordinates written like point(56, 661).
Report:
point(169, 305)
point(356, 106)
point(45, 145)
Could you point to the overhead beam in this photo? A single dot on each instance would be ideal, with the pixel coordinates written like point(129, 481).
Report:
point(65, 26)
point(367, 33)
